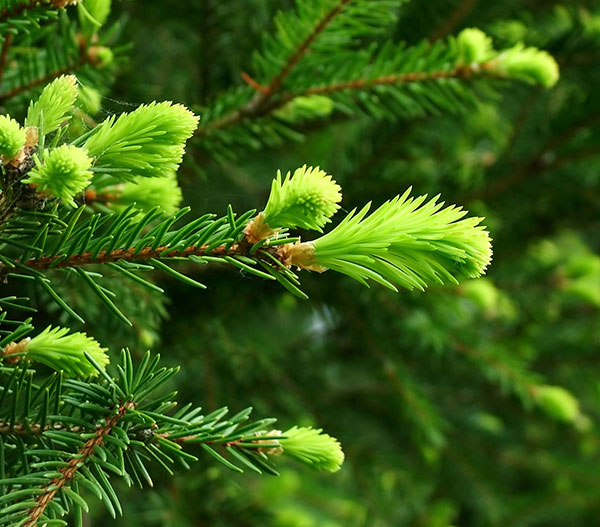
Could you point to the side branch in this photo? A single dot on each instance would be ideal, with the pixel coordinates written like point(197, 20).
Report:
point(43, 80)
point(402, 78)
point(257, 106)
point(461, 72)
point(68, 473)
point(6, 14)
point(275, 84)
point(130, 255)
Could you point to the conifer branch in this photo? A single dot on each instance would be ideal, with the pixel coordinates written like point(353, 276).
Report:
point(129, 255)
point(68, 473)
point(69, 68)
point(276, 83)
point(461, 72)
point(257, 106)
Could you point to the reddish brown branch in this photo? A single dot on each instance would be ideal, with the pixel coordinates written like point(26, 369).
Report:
point(402, 78)
point(68, 473)
point(253, 84)
point(103, 257)
point(356, 84)
point(258, 105)
point(275, 84)
point(41, 80)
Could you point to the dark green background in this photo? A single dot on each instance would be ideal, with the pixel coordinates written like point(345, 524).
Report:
point(425, 391)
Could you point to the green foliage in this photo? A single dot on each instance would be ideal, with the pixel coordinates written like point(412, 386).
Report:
point(63, 172)
point(558, 403)
point(306, 199)
point(320, 451)
point(12, 137)
point(473, 404)
point(64, 351)
point(474, 46)
point(146, 194)
point(53, 106)
point(93, 14)
point(406, 242)
point(528, 64)
point(148, 142)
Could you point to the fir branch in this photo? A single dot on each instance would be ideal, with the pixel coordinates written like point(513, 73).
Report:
point(6, 14)
point(69, 68)
point(461, 72)
point(277, 81)
point(68, 473)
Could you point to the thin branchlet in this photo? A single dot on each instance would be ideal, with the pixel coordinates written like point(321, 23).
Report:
point(67, 473)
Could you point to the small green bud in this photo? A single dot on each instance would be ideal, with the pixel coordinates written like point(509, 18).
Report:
point(60, 350)
point(100, 55)
point(474, 47)
point(558, 403)
point(312, 447)
point(12, 138)
point(528, 64)
point(89, 99)
point(148, 142)
point(147, 193)
point(56, 101)
point(62, 171)
point(306, 108)
point(307, 200)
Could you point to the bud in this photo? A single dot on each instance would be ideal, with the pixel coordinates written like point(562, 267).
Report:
point(92, 15)
point(306, 108)
point(528, 64)
point(474, 47)
point(148, 142)
point(59, 350)
point(312, 447)
point(307, 200)
point(147, 193)
point(89, 99)
point(56, 101)
point(405, 242)
point(62, 171)
point(558, 403)
point(12, 138)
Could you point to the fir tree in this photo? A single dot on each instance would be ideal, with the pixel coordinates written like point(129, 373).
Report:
point(93, 235)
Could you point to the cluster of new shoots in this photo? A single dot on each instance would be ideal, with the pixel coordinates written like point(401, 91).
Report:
point(528, 64)
point(114, 159)
point(408, 242)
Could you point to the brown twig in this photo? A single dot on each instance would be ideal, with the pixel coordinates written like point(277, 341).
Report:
point(68, 473)
point(276, 83)
point(103, 257)
point(356, 84)
point(259, 104)
point(42, 80)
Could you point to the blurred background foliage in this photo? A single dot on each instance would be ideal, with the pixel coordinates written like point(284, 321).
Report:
point(440, 399)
